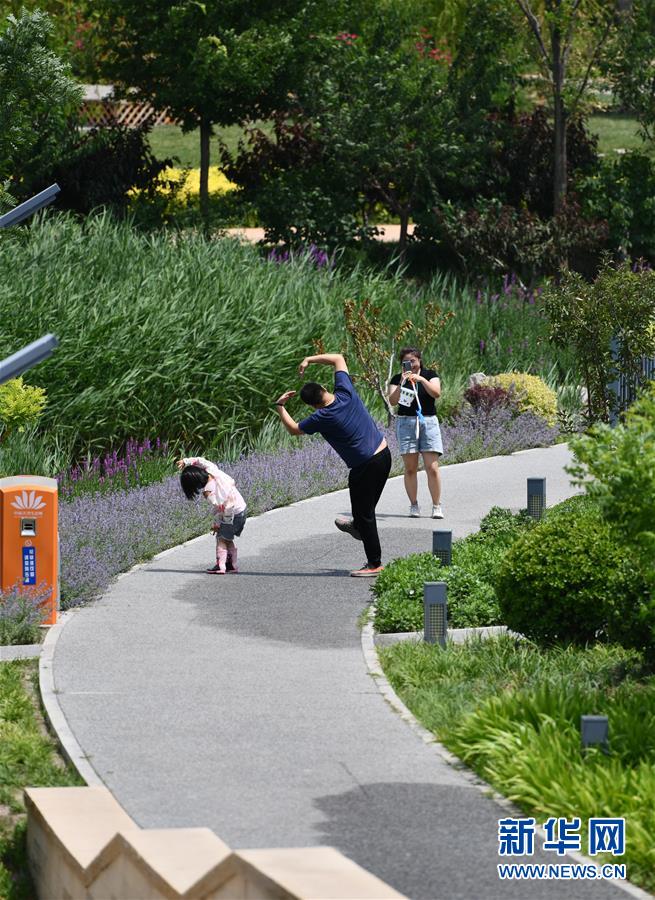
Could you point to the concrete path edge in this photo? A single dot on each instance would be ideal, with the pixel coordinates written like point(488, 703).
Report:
point(53, 711)
point(370, 653)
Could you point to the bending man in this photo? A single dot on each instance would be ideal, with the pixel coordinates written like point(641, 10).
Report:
point(345, 423)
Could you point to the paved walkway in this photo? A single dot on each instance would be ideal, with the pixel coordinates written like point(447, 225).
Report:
point(244, 703)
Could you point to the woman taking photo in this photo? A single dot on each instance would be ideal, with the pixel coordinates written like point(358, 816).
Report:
point(415, 389)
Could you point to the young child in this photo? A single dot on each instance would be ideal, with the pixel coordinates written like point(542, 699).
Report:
point(199, 476)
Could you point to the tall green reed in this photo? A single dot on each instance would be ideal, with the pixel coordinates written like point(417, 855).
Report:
point(191, 339)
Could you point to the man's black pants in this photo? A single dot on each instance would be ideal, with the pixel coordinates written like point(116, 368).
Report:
point(366, 483)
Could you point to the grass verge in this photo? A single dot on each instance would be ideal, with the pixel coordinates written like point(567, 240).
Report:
point(28, 757)
point(512, 712)
point(616, 131)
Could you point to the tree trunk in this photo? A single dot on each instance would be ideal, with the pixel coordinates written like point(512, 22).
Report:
point(559, 124)
point(205, 133)
point(402, 238)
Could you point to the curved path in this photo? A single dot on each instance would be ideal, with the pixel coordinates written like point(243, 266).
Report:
point(244, 703)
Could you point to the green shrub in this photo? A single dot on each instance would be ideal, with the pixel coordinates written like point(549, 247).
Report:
point(107, 166)
point(531, 393)
point(20, 405)
point(502, 524)
point(471, 595)
point(568, 580)
point(471, 599)
point(584, 317)
point(621, 463)
point(398, 590)
point(621, 192)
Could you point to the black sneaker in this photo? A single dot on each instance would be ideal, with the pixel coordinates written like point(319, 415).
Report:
point(345, 523)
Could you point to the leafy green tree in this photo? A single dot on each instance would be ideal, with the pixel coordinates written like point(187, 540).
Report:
point(366, 128)
point(568, 37)
point(209, 63)
point(586, 317)
point(37, 96)
point(381, 112)
point(632, 63)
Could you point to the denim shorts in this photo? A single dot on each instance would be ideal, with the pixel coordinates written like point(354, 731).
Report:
point(229, 530)
point(428, 439)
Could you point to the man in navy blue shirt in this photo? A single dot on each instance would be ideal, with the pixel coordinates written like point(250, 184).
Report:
point(346, 424)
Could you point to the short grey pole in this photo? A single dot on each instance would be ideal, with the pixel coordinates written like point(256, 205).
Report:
point(594, 731)
point(536, 497)
point(442, 546)
point(435, 612)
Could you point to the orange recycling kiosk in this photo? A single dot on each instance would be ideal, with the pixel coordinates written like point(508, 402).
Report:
point(29, 540)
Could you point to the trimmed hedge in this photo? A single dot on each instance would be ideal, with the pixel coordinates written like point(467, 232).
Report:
point(568, 580)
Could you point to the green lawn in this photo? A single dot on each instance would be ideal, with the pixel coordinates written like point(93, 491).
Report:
point(28, 758)
point(615, 131)
point(168, 140)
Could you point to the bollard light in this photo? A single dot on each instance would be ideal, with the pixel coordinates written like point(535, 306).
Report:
point(28, 207)
point(29, 356)
point(442, 546)
point(536, 497)
point(435, 612)
point(594, 731)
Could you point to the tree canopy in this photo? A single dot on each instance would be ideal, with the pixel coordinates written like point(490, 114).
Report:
point(37, 94)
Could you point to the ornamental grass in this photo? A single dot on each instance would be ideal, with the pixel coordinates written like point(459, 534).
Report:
point(512, 712)
point(192, 338)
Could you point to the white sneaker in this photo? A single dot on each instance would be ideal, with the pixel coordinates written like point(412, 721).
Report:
point(437, 512)
point(414, 511)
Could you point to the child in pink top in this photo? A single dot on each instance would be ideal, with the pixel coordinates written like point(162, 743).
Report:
point(200, 476)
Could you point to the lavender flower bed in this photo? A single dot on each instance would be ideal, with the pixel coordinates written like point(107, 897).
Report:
point(476, 434)
point(21, 615)
point(106, 534)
